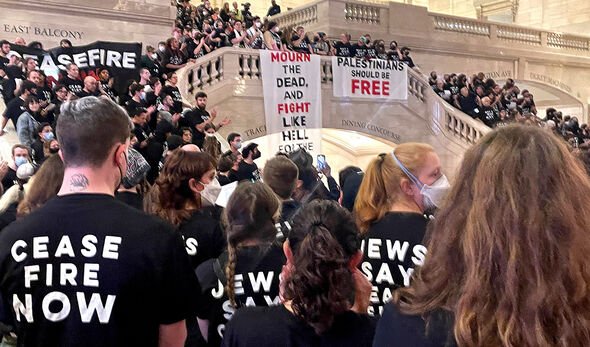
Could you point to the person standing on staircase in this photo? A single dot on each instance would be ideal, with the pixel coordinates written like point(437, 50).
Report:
point(199, 117)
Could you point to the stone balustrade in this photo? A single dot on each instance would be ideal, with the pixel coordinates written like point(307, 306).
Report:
point(240, 67)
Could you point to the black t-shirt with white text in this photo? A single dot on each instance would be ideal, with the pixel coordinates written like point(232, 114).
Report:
point(392, 248)
point(276, 326)
point(88, 270)
point(489, 116)
point(193, 118)
point(174, 92)
point(256, 284)
point(74, 86)
point(248, 172)
point(202, 234)
point(343, 49)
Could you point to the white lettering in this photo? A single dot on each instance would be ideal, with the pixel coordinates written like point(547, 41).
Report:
point(40, 247)
point(90, 278)
point(373, 251)
point(384, 274)
point(406, 274)
point(398, 248)
point(102, 311)
point(217, 294)
point(111, 247)
point(89, 243)
point(238, 287)
point(113, 59)
point(367, 269)
point(65, 247)
point(65, 309)
point(261, 280)
point(129, 60)
point(191, 246)
point(67, 273)
point(26, 309)
point(31, 274)
point(419, 255)
point(18, 257)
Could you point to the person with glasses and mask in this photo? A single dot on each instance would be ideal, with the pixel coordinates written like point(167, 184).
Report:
point(86, 269)
point(397, 191)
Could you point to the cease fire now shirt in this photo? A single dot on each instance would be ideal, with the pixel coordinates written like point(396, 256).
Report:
point(392, 248)
point(88, 270)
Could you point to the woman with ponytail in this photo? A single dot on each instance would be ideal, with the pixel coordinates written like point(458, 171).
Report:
point(247, 273)
point(323, 290)
point(397, 190)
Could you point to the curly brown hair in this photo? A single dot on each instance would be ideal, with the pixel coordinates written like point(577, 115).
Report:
point(321, 285)
point(508, 251)
point(170, 194)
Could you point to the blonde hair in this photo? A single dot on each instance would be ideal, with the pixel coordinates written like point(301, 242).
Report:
point(381, 183)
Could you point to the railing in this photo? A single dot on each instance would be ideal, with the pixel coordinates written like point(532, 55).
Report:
point(332, 15)
point(241, 65)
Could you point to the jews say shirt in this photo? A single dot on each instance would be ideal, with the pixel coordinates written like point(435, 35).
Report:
point(256, 284)
point(88, 270)
point(392, 248)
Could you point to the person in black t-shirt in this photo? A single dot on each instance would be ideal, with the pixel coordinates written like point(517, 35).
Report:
point(247, 168)
point(90, 88)
point(44, 134)
point(326, 296)
point(21, 154)
point(343, 48)
point(85, 269)
point(300, 42)
point(396, 192)
point(16, 106)
point(174, 58)
point(140, 129)
point(227, 168)
point(488, 115)
point(130, 191)
point(72, 79)
point(197, 118)
point(360, 48)
point(469, 103)
point(247, 273)
point(106, 84)
point(172, 90)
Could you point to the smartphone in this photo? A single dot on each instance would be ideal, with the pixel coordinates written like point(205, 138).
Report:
point(321, 162)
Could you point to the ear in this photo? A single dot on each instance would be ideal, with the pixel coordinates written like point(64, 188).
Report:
point(299, 184)
point(406, 186)
point(288, 252)
point(355, 260)
point(120, 154)
point(194, 185)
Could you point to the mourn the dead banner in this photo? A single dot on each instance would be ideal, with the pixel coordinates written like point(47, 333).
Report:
point(292, 100)
point(121, 59)
point(370, 79)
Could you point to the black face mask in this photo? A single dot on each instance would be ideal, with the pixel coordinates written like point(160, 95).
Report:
point(53, 150)
point(256, 155)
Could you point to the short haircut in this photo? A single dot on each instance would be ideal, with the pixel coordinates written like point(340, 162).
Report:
point(232, 136)
point(42, 126)
point(4, 42)
point(225, 163)
point(18, 145)
point(200, 95)
point(88, 128)
point(281, 174)
point(69, 66)
point(27, 86)
point(58, 87)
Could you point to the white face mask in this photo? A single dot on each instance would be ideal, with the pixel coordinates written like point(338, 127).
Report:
point(210, 134)
point(238, 144)
point(211, 191)
point(162, 48)
point(154, 55)
point(433, 194)
point(258, 25)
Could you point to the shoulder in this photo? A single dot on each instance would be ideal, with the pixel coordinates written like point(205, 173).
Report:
point(206, 274)
point(252, 322)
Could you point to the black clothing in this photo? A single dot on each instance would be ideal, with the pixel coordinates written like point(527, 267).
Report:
point(9, 179)
point(257, 273)
point(7, 217)
point(202, 234)
point(84, 93)
point(130, 198)
point(152, 65)
point(391, 248)
point(174, 58)
point(14, 109)
point(74, 86)
point(274, 9)
point(489, 116)
point(350, 190)
point(469, 105)
point(248, 172)
point(38, 154)
point(174, 92)
point(93, 253)
point(193, 118)
point(406, 330)
point(303, 46)
point(276, 326)
point(343, 49)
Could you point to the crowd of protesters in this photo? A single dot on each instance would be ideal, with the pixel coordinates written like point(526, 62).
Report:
point(500, 105)
point(132, 205)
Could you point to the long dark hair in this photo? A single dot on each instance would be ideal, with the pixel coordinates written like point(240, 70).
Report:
point(251, 214)
point(320, 286)
point(508, 251)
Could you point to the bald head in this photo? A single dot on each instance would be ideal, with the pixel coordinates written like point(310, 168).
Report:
point(190, 148)
point(90, 83)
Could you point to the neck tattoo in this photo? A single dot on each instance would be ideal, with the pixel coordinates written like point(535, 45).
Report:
point(78, 182)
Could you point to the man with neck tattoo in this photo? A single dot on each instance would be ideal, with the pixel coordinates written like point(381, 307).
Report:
point(85, 269)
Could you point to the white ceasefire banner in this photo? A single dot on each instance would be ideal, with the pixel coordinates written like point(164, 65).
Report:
point(369, 79)
point(292, 100)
